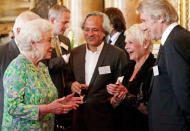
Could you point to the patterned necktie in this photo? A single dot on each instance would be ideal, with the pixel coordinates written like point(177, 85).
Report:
point(56, 45)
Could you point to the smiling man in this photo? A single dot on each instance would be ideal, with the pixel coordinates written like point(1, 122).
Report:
point(169, 106)
point(94, 65)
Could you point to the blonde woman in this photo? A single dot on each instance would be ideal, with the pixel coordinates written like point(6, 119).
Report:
point(134, 94)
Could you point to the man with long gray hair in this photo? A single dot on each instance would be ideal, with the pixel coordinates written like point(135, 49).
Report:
point(93, 66)
point(169, 105)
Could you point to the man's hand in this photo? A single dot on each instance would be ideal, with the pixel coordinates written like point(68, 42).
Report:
point(76, 87)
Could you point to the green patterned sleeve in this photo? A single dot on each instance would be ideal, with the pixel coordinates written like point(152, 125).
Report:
point(14, 84)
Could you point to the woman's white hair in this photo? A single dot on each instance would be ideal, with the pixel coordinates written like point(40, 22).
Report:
point(135, 32)
point(32, 32)
point(106, 22)
point(159, 8)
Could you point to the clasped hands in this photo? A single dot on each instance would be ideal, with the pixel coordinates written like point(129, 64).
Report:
point(118, 91)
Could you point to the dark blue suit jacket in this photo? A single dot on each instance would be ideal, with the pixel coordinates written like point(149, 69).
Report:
point(169, 106)
point(120, 42)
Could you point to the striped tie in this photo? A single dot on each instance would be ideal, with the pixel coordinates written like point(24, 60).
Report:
point(56, 45)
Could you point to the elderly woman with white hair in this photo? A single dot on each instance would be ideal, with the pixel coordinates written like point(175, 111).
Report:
point(133, 96)
point(30, 99)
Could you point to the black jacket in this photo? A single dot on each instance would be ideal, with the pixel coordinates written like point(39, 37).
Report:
point(169, 106)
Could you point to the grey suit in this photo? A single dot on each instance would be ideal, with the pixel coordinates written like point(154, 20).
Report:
point(96, 113)
point(169, 106)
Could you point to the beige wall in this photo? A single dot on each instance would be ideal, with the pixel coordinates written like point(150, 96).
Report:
point(79, 9)
point(9, 9)
point(128, 7)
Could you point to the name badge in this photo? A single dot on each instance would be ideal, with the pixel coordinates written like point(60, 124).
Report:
point(119, 79)
point(104, 70)
point(66, 47)
point(155, 70)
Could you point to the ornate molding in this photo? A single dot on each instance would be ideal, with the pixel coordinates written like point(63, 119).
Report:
point(183, 11)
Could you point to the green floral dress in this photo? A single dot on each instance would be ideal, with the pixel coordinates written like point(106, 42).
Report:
point(25, 88)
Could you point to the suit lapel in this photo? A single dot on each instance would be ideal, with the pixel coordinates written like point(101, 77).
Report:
point(81, 66)
point(99, 63)
point(120, 40)
point(156, 64)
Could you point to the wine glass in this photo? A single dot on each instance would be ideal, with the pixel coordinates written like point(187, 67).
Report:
point(83, 93)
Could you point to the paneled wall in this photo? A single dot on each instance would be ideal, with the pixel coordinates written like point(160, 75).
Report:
point(128, 7)
point(79, 8)
point(9, 9)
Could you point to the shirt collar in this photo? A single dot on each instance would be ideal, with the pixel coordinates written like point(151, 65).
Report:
point(99, 48)
point(114, 37)
point(167, 32)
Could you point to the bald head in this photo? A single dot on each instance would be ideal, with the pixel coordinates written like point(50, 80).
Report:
point(23, 18)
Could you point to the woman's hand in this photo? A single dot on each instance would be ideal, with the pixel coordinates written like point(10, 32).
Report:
point(61, 106)
point(143, 108)
point(71, 100)
point(114, 101)
point(119, 91)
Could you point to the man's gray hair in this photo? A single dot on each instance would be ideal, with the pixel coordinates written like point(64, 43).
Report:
point(23, 18)
point(159, 8)
point(56, 10)
point(32, 32)
point(106, 22)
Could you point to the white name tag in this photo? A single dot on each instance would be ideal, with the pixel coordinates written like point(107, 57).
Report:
point(104, 70)
point(155, 70)
point(66, 47)
point(119, 79)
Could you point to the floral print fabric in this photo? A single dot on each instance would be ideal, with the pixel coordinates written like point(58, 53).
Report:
point(25, 88)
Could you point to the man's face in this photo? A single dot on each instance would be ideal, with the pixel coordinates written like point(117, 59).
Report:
point(153, 26)
point(93, 31)
point(61, 23)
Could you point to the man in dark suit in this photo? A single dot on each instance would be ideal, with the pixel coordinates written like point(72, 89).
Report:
point(169, 106)
point(9, 51)
point(118, 25)
point(59, 17)
point(94, 65)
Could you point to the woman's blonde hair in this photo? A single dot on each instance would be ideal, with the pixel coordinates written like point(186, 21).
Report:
point(135, 32)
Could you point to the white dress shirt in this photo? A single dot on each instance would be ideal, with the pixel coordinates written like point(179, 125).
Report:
point(113, 38)
point(167, 32)
point(91, 59)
